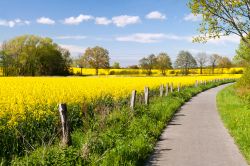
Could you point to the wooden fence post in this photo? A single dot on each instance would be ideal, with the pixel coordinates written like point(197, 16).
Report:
point(161, 90)
point(179, 86)
point(146, 95)
point(66, 138)
point(166, 89)
point(171, 87)
point(133, 97)
point(196, 83)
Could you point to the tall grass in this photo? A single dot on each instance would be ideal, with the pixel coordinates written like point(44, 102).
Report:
point(235, 113)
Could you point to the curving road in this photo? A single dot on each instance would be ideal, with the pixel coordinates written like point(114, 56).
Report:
point(196, 137)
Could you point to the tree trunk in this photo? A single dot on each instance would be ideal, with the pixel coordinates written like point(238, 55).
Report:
point(201, 70)
point(96, 71)
point(213, 69)
point(81, 71)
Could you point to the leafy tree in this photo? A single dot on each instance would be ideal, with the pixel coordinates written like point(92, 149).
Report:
point(185, 61)
point(97, 57)
point(201, 60)
point(33, 55)
point(214, 59)
point(148, 63)
point(116, 65)
point(80, 63)
point(133, 67)
point(222, 17)
point(163, 62)
point(224, 62)
point(243, 53)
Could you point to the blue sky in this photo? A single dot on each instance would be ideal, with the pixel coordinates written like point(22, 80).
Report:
point(129, 29)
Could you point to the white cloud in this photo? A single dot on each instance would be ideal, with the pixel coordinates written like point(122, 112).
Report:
point(152, 37)
point(45, 20)
point(74, 49)
point(102, 21)
point(225, 39)
point(156, 15)
point(78, 37)
point(192, 17)
point(142, 37)
point(77, 20)
point(13, 23)
point(123, 20)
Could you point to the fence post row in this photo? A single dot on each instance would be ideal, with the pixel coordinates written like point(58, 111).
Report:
point(133, 97)
point(146, 95)
point(66, 139)
point(166, 89)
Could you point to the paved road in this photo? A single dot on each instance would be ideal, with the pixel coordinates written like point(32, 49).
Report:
point(196, 137)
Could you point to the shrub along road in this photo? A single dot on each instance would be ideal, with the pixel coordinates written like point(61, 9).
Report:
point(196, 136)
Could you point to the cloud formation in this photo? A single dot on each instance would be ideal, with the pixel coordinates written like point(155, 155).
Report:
point(156, 15)
point(124, 20)
point(102, 21)
point(73, 49)
point(45, 20)
point(192, 17)
point(77, 37)
point(77, 20)
point(142, 37)
point(152, 37)
point(13, 23)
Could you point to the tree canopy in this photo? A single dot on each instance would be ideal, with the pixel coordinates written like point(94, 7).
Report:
point(96, 57)
point(148, 63)
point(214, 59)
point(222, 17)
point(185, 61)
point(163, 62)
point(201, 60)
point(33, 55)
point(243, 53)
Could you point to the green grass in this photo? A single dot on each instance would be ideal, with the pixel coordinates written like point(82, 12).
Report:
point(235, 113)
point(120, 137)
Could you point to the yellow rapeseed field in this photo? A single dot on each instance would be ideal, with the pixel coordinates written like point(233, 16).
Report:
point(155, 72)
point(20, 95)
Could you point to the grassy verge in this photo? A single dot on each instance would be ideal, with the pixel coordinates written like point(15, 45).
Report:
point(235, 114)
point(119, 137)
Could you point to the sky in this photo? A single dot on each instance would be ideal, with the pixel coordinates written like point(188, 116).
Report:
point(128, 29)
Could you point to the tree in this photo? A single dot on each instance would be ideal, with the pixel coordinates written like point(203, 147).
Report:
point(214, 59)
point(80, 63)
point(148, 63)
point(116, 65)
point(133, 67)
point(185, 61)
point(163, 62)
point(97, 57)
point(243, 53)
point(34, 55)
point(201, 60)
point(222, 18)
point(224, 62)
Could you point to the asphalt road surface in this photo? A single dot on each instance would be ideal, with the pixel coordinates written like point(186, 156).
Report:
point(197, 137)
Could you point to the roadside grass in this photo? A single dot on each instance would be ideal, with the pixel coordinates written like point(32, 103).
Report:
point(235, 113)
point(122, 137)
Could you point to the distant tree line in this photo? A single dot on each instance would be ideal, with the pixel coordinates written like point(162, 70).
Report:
point(184, 61)
point(30, 55)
